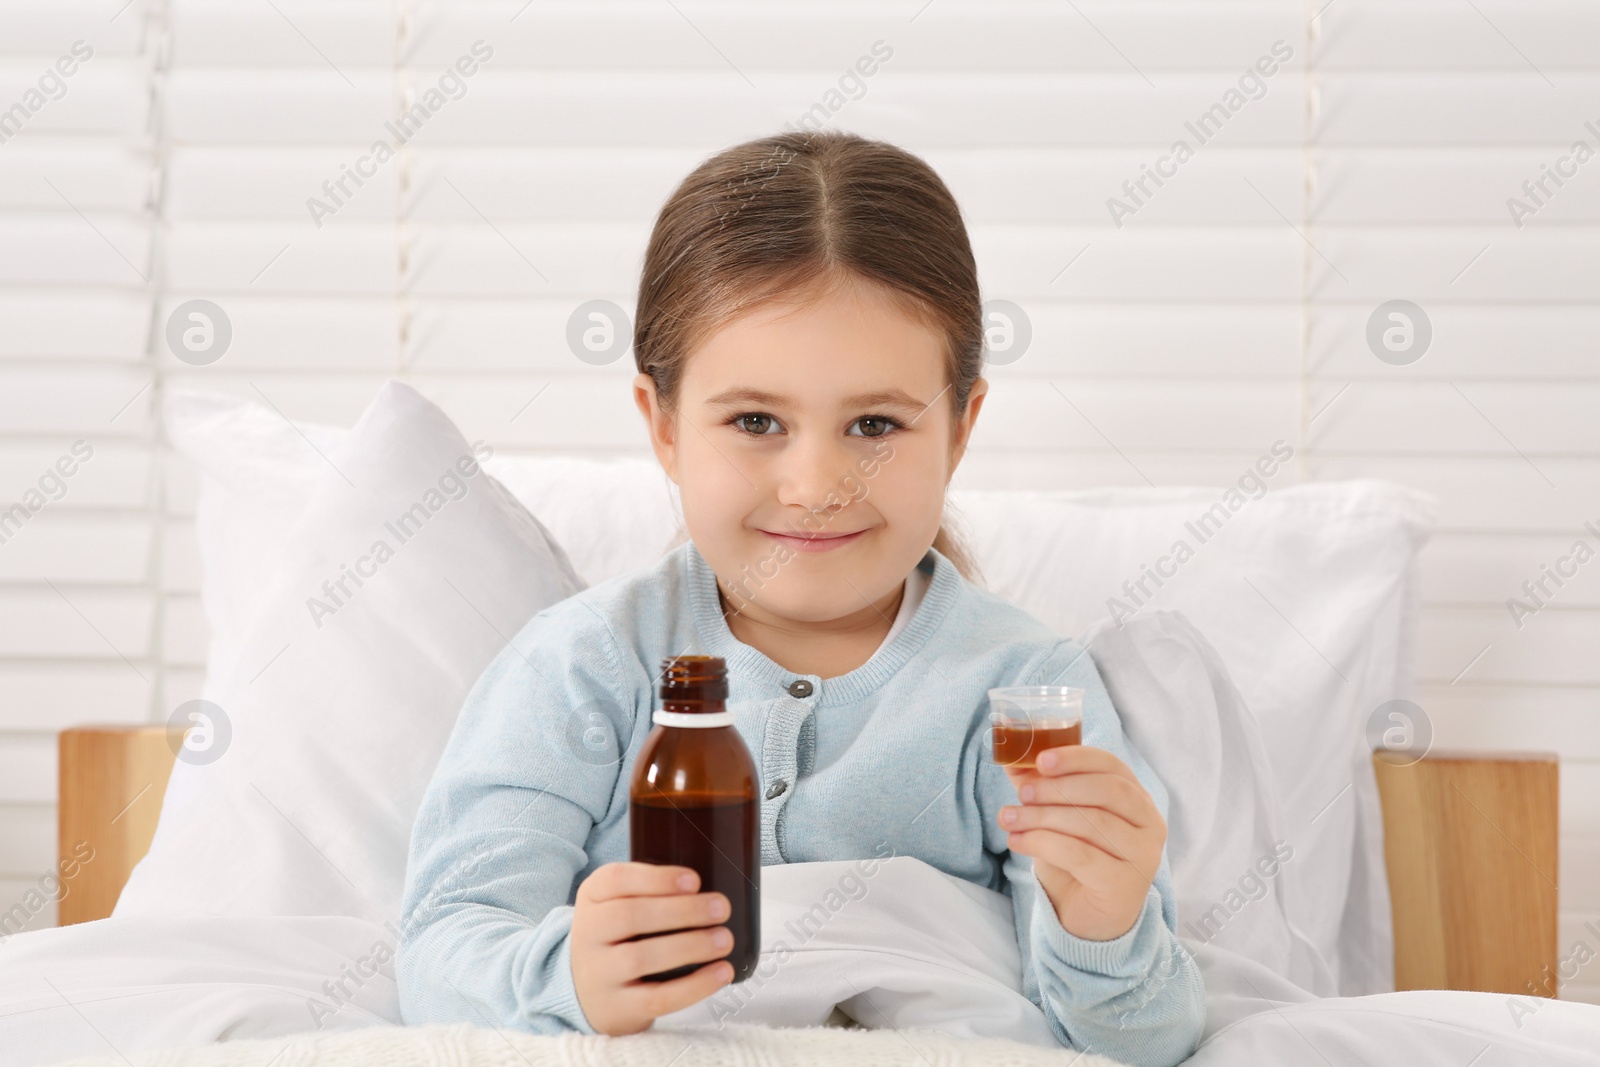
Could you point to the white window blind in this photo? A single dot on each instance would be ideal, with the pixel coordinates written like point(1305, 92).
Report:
point(78, 612)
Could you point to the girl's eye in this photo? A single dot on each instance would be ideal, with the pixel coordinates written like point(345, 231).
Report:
point(759, 424)
point(881, 425)
point(755, 424)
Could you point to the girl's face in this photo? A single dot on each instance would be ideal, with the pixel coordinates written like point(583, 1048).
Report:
point(811, 448)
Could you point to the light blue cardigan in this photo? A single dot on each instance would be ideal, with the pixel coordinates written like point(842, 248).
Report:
point(530, 797)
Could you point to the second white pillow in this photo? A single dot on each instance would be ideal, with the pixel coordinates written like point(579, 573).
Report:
point(407, 571)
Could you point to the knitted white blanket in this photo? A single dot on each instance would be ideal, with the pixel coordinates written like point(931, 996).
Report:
point(736, 1045)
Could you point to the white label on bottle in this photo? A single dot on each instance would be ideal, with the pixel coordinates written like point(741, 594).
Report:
point(691, 718)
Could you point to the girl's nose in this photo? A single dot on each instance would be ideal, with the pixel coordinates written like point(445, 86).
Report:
point(814, 474)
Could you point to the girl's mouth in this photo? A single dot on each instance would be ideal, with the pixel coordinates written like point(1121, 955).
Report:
point(821, 542)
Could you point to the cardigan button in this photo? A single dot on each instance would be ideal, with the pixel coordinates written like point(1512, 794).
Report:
point(800, 687)
point(776, 789)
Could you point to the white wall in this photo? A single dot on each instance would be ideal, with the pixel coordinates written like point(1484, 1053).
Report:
point(1228, 311)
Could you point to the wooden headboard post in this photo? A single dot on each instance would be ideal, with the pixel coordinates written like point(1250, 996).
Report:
point(1470, 843)
point(113, 779)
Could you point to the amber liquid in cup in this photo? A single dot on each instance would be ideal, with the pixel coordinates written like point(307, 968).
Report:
point(1017, 743)
point(693, 802)
point(1030, 719)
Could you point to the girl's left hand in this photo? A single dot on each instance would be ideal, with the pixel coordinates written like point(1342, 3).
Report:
point(1095, 835)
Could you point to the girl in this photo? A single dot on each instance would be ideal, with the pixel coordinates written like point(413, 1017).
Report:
point(809, 342)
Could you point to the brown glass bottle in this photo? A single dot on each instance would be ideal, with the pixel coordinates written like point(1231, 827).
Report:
point(693, 802)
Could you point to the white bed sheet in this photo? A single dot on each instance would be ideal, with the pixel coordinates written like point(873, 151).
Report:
point(1253, 1018)
point(120, 986)
point(124, 985)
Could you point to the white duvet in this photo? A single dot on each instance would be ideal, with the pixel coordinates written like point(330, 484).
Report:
point(925, 964)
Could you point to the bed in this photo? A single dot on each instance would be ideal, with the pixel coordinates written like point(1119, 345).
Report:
point(235, 902)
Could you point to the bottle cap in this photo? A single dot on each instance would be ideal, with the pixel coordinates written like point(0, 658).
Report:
point(697, 679)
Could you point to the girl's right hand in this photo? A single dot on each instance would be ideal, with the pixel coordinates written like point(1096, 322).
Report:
point(622, 900)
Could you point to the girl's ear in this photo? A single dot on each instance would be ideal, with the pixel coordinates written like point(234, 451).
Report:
point(962, 431)
point(657, 422)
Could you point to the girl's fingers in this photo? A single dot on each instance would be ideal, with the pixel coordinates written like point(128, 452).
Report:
point(1092, 789)
point(626, 917)
point(634, 878)
point(655, 999)
point(1076, 759)
point(631, 960)
point(1093, 866)
point(1095, 827)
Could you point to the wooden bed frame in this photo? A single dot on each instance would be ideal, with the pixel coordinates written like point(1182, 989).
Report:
point(1470, 841)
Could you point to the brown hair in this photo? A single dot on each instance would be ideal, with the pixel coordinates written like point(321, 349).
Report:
point(797, 215)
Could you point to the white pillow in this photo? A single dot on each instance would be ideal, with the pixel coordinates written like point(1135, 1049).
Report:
point(257, 471)
point(612, 516)
point(1225, 839)
point(1308, 594)
point(256, 474)
point(340, 694)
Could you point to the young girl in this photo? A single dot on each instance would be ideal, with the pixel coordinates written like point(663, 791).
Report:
point(809, 341)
